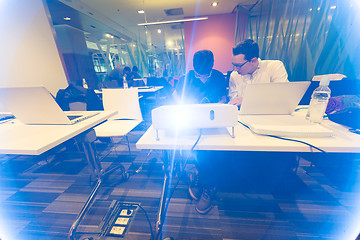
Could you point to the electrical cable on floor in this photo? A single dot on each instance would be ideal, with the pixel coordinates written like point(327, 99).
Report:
point(282, 138)
point(140, 168)
point(175, 186)
point(148, 219)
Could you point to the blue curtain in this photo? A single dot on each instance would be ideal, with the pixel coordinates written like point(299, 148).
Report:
point(311, 37)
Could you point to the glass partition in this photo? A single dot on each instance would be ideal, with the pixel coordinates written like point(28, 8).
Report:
point(91, 49)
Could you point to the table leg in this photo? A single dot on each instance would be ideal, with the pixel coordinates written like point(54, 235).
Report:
point(166, 158)
point(87, 140)
point(84, 210)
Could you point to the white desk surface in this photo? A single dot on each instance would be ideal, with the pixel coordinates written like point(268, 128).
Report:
point(149, 89)
point(18, 138)
point(220, 139)
point(144, 89)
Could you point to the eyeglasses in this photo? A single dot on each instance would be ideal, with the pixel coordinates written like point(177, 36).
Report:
point(197, 75)
point(240, 65)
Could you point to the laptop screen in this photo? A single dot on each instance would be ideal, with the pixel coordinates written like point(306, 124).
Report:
point(272, 98)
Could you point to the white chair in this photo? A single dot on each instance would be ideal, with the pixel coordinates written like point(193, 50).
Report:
point(126, 103)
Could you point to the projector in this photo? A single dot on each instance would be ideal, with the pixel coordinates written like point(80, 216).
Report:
point(194, 116)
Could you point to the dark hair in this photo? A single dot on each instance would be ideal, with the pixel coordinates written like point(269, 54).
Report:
point(203, 61)
point(249, 48)
point(126, 69)
point(135, 69)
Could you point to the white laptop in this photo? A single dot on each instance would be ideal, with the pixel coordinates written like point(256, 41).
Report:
point(35, 105)
point(267, 108)
point(272, 98)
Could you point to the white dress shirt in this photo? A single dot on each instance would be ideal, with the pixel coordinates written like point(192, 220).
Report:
point(267, 71)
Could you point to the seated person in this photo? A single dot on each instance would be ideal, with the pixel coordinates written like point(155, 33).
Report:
point(203, 84)
point(249, 68)
point(127, 75)
point(135, 75)
point(115, 79)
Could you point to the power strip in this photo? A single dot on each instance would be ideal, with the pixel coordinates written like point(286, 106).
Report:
point(118, 219)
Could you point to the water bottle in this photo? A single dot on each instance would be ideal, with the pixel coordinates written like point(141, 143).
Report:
point(125, 84)
point(84, 83)
point(319, 101)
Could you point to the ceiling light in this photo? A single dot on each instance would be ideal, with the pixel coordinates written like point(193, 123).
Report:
point(159, 30)
point(108, 35)
point(67, 18)
point(141, 11)
point(333, 7)
point(214, 4)
point(173, 21)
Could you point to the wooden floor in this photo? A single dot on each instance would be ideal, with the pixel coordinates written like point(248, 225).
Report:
point(40, 198)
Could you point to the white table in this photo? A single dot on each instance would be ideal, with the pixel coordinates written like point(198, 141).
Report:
point(144, 89)
point(18, 138)
point(149, 89)
point(343, 141)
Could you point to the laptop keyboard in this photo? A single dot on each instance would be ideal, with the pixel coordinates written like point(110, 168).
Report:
point(72, 117)
point(6, 116)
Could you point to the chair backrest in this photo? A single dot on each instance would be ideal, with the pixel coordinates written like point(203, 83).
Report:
point(77, 106)
point(111, 84)
point(124, 101)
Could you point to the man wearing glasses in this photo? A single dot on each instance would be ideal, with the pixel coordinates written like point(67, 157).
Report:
point(249, 68)
point(203, 84)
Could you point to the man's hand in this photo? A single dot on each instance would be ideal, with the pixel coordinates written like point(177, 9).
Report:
point(236, 101)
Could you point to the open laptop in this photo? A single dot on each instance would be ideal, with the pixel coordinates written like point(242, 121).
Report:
point(272, 98)
point(267, 108)
point(35, 105)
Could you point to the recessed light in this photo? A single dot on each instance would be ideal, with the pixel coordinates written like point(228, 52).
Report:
point(159, 30)
point(214, 4)
point(67, 18)
point(141, 11)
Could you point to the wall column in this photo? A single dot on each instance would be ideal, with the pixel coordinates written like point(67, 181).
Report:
point(76, 56)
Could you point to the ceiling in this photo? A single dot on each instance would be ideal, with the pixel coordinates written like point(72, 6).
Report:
point(120, 17)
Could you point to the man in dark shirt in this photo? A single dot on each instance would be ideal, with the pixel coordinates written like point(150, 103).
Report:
point(202, 85)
